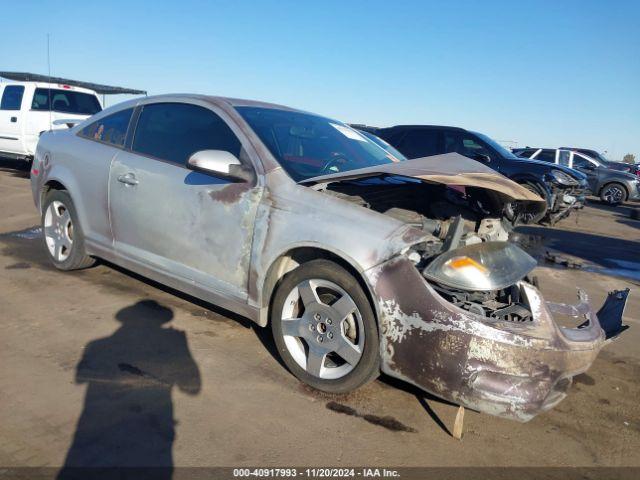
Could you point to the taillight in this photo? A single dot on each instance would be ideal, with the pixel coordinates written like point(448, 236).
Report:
point(36, 164)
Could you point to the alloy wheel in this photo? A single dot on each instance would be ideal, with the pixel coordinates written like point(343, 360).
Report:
point(323, 329)
point(58, 231)
point(613, 194)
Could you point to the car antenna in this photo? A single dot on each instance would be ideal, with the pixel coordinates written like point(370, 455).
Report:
point(49, 71)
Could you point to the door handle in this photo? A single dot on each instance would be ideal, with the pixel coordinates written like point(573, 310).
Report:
point(14, 119)
point(128, 179)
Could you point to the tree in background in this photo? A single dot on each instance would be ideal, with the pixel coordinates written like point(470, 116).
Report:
point(629, 158)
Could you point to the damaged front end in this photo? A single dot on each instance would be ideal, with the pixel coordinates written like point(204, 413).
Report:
point(459, 314)
point(469, 326)
point(566, 195)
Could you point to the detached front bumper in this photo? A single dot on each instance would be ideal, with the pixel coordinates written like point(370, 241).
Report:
point(512, 370)
point(564, 200)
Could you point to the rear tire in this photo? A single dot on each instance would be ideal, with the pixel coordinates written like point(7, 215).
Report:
point(63, 237)
point(613, 193)
point(325, 329)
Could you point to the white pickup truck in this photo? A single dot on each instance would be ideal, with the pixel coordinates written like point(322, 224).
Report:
point(31, 104)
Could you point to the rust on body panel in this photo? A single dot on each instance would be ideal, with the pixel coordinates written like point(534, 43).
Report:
point(513, 371)
point(231, 193)
point(361, 244)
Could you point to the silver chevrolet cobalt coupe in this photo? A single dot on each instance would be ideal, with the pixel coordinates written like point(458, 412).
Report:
point(359, 260)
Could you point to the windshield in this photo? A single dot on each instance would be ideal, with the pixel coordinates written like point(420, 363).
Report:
point(308, 145)
point(600, 157)
point(65, 101)
point(497, 147)
point(383, 144)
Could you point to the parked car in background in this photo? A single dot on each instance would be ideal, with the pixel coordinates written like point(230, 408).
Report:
point(358, 261)
point(633, 168)
point(31, 104)
point(612, 186)
point(563, 189)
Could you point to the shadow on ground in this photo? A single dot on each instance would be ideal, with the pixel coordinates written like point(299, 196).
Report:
point(16, 168)
point(620, 213)
point(615, 256)
point(127, 419)
point(26, 246)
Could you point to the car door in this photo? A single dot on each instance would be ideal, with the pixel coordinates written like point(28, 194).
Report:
point(11, 119)
point(94, 149)
point(588, 167)
point(190, 226)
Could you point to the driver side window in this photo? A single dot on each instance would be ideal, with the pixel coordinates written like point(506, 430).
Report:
point(174, 131)
point(581, 162)
point(469, 147)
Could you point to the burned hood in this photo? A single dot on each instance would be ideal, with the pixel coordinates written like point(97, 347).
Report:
point(447, 169)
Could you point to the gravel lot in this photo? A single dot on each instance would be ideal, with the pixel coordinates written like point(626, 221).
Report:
point(240, 406)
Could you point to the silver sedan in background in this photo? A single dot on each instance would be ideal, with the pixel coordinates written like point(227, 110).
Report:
point(358, 260)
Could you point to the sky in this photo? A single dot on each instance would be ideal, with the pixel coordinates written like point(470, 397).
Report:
point(539, 73)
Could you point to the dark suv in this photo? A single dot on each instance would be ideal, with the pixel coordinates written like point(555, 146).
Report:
point(564, 189)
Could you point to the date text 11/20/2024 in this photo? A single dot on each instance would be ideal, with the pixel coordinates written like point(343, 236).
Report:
point(315, 472)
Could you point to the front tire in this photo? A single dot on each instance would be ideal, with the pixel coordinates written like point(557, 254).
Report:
point(325, 329)
point(613, 194)
point(528, 218)
point(63, 237)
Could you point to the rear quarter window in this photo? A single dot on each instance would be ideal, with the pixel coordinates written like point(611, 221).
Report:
point(111, 129)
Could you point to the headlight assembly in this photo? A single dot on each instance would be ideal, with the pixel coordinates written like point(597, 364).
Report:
point(483, 266)
point(562, 178)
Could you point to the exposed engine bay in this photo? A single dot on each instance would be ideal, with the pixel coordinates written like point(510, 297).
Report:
point(455, 219)
point(460, 315)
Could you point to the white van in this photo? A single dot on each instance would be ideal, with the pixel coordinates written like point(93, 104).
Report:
point(31, 104)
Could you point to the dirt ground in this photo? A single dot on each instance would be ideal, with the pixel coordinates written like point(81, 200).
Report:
point(240, 406)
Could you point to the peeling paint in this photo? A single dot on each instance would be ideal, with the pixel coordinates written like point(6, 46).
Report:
point(513, 371)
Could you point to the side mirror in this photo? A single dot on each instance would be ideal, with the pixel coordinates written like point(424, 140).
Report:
point(69, 122)
point(482, 157)
point(587, 166)
point(219, 163)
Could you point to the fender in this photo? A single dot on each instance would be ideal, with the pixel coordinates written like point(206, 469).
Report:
point(262, 283)
point(63, 175)
point(530, 178)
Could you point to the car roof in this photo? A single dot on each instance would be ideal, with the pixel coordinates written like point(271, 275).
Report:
point(542, 148)
point(578, 148)
point(425, 127)
point(234, 102)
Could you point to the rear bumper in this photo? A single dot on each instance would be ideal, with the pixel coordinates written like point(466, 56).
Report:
point(512, 370)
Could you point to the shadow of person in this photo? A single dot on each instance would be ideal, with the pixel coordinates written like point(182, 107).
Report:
point(127, 420)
